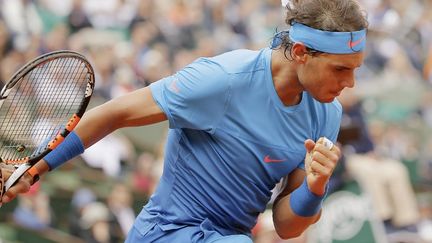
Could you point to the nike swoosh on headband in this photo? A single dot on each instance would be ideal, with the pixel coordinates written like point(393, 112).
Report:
point(352, 44)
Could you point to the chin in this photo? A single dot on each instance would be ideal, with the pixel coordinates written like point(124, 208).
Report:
point(327, 99)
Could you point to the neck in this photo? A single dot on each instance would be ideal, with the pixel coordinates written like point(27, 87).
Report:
point(285, 79)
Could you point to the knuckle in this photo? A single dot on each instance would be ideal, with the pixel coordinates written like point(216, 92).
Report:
point(20, 187)
point(320, 146)
point(334, 160)
point(26, 178)
point(10, 193)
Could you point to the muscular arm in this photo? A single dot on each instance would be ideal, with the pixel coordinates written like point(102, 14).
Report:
point(134, 109)
point(320, 161)
point(286, 222)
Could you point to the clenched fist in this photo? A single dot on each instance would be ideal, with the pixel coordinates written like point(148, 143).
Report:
point(22, 186)
point(320, 161)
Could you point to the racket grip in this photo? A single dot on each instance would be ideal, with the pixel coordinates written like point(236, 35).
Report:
point(16, 175)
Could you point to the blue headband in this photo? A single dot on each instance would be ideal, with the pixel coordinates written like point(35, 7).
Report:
point(327, 41)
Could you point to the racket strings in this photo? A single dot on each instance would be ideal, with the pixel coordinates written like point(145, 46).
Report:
point(10, 117)
point(41, 105)
point(61, 95)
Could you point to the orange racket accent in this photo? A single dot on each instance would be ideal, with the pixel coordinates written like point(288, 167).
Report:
point(56, 141)
point(72, 122)
point(69, 126)
point(17, 162)
point(33, 171)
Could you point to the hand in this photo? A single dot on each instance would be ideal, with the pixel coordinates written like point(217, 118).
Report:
point(320, 162)
point(22, 186)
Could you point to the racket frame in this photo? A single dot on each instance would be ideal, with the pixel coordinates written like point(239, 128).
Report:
point(27, 162)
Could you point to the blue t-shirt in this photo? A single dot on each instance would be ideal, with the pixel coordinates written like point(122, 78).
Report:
point(231, 140)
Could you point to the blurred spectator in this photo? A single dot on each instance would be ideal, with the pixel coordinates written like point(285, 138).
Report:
point(144, 180)
point(125, 81)
point(95, 222)
point(122, 215)
point(384, 179)
point(110, 154)
point(115, 14)
point(5, 39)
point(33, 210)
point(78, 18)
point(103, 60)
point(80, 199)
point(427, 70)
point(11, 62)
point(56, 39)
point(23, 21)
point(425, 170)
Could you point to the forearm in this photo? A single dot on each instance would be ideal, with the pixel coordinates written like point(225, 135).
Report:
point(92, 127)
point(299, 204)
point(287, 223)
point(134, 109)
point(95, 125)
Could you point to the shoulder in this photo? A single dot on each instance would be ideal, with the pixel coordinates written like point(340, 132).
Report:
point(241, 60)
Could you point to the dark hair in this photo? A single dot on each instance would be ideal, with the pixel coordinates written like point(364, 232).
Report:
point(328, 15)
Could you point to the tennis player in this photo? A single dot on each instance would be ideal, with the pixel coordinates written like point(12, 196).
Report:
point(239, 123)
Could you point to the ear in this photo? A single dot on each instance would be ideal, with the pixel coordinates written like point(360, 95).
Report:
point(299, 52)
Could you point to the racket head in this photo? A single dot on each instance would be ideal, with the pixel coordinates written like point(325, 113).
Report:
point(42, 103)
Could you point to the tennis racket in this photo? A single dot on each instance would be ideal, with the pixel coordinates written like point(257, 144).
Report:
point(39, 106)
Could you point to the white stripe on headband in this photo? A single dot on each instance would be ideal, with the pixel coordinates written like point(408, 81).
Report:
point(328, 41)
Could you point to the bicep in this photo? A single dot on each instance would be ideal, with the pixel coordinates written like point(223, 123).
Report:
point(137, 108)
point(134, 109)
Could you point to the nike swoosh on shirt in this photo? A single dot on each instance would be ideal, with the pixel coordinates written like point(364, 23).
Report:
point(267, 159)
point(352, 44)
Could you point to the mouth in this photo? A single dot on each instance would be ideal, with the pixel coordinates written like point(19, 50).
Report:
point(336, 93)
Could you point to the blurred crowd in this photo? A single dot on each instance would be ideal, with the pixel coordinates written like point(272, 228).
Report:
point(132, 43)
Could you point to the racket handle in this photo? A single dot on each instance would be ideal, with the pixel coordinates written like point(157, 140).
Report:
point(16, 175)
point(14, 178)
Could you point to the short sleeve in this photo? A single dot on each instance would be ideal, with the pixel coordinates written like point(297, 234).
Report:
point(195, 97)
